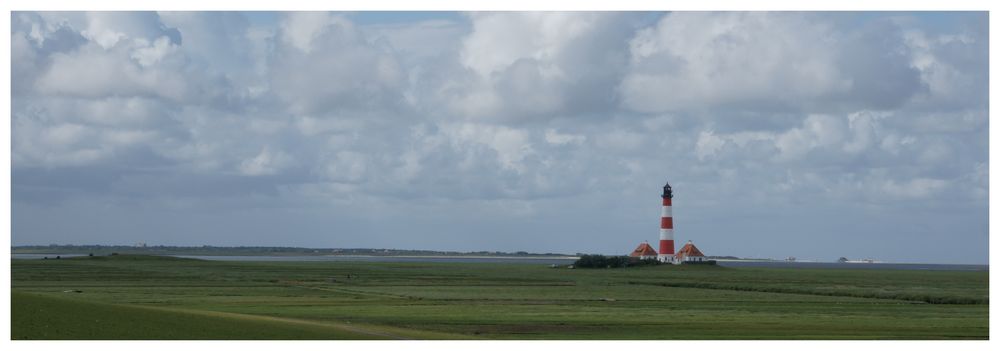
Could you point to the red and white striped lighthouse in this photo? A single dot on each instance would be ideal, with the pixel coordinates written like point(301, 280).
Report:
point(666, 227)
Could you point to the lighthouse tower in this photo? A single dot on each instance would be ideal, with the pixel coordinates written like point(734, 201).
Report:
point(666, 227)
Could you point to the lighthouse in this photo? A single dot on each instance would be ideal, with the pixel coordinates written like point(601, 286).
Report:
point(666, 227)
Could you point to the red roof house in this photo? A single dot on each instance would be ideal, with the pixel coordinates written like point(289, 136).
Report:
point(689, 253)
point(644, 251)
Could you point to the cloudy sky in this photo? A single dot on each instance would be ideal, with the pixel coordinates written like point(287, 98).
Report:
point(815, 135)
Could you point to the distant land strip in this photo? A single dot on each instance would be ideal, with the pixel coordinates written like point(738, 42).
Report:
point(208, 250)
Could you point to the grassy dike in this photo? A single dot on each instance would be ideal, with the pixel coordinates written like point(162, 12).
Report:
point(150, 297)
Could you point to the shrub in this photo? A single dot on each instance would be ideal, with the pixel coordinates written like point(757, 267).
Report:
point(601, 261)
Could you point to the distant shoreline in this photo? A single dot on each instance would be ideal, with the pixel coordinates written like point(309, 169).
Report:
point(250, 251)
point(102, 250)
point(512, 259)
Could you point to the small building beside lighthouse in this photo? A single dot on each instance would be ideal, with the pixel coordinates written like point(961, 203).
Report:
point(689, 253)
point(643, 252)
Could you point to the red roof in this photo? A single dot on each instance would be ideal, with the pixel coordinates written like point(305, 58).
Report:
point(689, 250)
point(643, 250)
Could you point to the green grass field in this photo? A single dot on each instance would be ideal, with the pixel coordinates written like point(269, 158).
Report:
point(146, 297)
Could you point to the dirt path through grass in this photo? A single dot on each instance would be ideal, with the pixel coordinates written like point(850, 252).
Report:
point(367, 330)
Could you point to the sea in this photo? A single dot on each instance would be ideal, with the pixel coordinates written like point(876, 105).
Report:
point(554, 261)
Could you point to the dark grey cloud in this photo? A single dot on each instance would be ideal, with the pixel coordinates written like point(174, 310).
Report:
point(878, 65)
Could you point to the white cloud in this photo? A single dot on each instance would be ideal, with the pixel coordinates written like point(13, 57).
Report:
point(301, 28)
point(267, 162)
point(894, 143)
point(539, 65)
point(947, 64)
point(310, 126)
point(766, 62)
point(129, 137)
point(84, 73)
point(816, 131)
point(511, 145)
point(694, 59)
point(708, 144)
point(115, 112)
point(347, 166)
point(554, 137)
point(58, 145)
point(915, 188)
point(327, 65)
point(66, 134)
point(109, 28)
point(420, 41)
point(500, 40)
point(22, 56)
point(620, 140)
point(150, 54)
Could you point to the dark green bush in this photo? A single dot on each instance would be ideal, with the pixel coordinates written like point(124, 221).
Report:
point(601, 261)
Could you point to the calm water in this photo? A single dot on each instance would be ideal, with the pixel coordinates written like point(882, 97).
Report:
point(548, 261)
